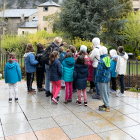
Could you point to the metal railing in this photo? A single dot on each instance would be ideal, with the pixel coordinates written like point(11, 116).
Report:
point(132, 77)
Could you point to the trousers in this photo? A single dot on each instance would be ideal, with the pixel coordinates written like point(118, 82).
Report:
point(15, 87)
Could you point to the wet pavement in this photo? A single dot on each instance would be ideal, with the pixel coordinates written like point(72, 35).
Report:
point(35, 117)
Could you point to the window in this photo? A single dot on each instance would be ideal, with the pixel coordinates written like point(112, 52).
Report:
point(45, 28)
point(136, 9)
point(33, 17)
point(45, 8)
point(22, 32)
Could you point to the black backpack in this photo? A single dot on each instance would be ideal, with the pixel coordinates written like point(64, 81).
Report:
point(47, 52)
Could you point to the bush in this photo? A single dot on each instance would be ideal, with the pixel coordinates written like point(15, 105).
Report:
point(129, 49)
point(110, 47)
point(78, 42)
point(139, 58)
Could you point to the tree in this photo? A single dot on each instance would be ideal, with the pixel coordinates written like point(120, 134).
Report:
point(131, 32)
point(85, 18)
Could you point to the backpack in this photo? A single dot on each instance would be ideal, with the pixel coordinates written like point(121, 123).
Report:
point(39, 66)
point(47, 52)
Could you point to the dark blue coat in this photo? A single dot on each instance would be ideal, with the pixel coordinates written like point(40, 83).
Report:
point(55, 71)
point(80, 75)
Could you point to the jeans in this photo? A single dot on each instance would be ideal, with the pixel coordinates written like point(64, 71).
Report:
point(56, 88)
point(121, 77)
point(96, 84)
point(48, 78)
point(104, 89)
point(68, 90)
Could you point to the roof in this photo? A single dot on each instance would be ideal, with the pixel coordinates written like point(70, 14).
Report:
point(31, 24)
point(49, 3)
point(35, 19)
point(18, 12)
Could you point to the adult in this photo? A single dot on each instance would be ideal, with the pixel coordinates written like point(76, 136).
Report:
point(54, 46)
point(40, 67)
point(95, 57)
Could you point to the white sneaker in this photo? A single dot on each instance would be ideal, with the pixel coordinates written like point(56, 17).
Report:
point(118, 94)
point(54, 100)
point(122, 95)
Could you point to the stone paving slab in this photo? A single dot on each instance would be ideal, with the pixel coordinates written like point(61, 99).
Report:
point(35, 117)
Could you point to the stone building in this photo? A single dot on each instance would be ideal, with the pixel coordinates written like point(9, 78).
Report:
point(15, 17)
point(136, 4)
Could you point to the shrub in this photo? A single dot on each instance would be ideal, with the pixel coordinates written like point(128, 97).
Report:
point(139, 58)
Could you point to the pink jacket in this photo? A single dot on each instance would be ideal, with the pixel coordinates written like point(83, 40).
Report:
point(90, 67)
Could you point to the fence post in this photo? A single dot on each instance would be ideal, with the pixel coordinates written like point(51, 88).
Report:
point(137, 72)
point(129, 75)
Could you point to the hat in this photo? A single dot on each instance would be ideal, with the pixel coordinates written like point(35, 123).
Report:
point(96, 42)
point(84, 48)
point(103, 50)
point(113, 53)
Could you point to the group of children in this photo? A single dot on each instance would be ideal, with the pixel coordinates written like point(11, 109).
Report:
point(71, 70)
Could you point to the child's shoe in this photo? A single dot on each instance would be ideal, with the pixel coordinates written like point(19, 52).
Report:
point(118, 94)
point(10, 100)
point(122, 95)
point(85, 103)
point(69, 100)
point(79, 103)
point(54, 100)
point(16, 100)
point(107, 109)
point(96, 97)
point(66, 101)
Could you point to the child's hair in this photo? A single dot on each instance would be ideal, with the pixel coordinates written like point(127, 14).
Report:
point(72, 49)
point(40, 46)
point(69, 54)
point(11, 57)
point(61, 49)
point(82, 52)
point(52, 56)
point(121, 49)
point(29, 48)
point(80, 60)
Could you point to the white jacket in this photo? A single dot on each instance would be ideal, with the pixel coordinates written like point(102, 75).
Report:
point(95, 56)
point(121, 64)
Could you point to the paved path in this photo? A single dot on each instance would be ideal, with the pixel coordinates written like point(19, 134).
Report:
point(35, 117)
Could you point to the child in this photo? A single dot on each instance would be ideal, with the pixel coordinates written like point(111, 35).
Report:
point(80, 75)
point(30, 66)
point(61, 58)
point(114, 58)
point(12, 76)
point(67, 69)
point(55, 74)
point(121, 69)
point(103, 76)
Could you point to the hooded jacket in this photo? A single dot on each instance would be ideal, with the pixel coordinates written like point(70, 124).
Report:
point(113, 66)
point(122, 64)
point(40, 66)
point(80, 75)
point(95, 55)
point(55, 70)
point(61, 56)
point(103, 73)
point(67, 69)
point(12, 73)
point(30, 62)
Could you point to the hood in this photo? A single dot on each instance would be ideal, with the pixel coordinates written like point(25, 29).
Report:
point(113, 53)
point(96, 42)
point(82, 68)
point(103, 50)
point(11, 65)
point(55, 62)
point(124, 55)
point(70, 61)
point(84, 48)
point(64, 53)
point(54, 44)
point(107, 61)
point(26, 54)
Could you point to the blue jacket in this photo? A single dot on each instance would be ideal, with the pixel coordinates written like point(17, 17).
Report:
point(30, 62)
point(103, 73)
point(61, 56)
point(55, 71)
point(67, 69)
point(12, 73)
point(113, 68)
point(80, 75)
